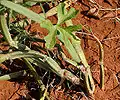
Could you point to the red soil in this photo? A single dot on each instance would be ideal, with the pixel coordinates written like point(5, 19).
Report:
point(104, 29)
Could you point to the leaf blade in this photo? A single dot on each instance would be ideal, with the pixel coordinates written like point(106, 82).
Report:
point(51, 38)
point(64, 37)
point(63, 15)
point(22, 10)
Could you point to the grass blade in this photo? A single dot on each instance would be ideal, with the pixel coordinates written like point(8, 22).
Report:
point(12, 75)
point(22, 10)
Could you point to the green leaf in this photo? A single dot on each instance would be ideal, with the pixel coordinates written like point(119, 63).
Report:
point(63, 15)
point(29, 3)
point(60, 10)
point(22, 10)
point(47, 24)
point(70, 14)
point(51, 38)
point(73, 28)
point(64, 37)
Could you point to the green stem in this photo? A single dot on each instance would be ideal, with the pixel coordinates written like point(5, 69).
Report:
point(20, 54)
point(9, 17)
point(88, 76)
point(70, 61)
point(51, 65)
point(101, 57)
point(36, 76)
point(13, 75)
point(5, 30)
point(101, 62)
point(63, 73)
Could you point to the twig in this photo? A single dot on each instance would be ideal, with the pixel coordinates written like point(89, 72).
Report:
point(101, 62)
point(109, 9)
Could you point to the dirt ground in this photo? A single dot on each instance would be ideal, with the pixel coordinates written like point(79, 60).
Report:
point(106, 29)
